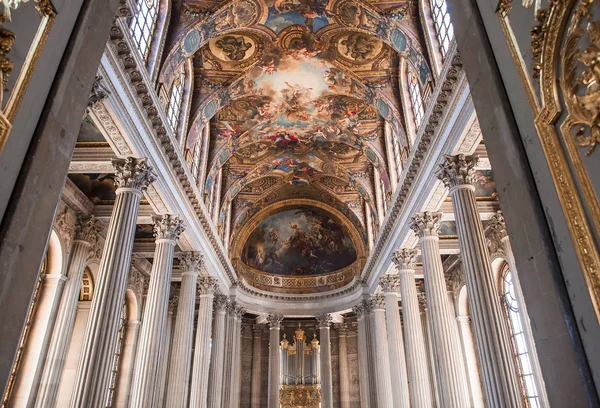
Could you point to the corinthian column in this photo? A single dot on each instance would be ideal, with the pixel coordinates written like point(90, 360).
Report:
point(496, 358)
point(342, 330)
point(86, 238)
point(326, 379)
point(451, 378)
point(200, 374)
point(391, 286)
point(416, 354)
point(274, 360)
point(382, 354)
point(236, 360)
point(96, 359)
point(217, 355)
point(167, 229)
point(181, 356)
point(363, 365)
point(257, 331)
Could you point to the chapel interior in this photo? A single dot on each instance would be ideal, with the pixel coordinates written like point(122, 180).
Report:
point(300, 203)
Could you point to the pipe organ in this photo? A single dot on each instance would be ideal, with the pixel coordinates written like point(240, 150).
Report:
point(300, 370)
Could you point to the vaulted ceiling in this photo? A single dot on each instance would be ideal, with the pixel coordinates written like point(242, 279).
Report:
point(296, 94)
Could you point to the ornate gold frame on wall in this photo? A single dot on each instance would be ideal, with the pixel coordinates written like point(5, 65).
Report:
point(297, 284)
point(8, 111)
point(549, 57)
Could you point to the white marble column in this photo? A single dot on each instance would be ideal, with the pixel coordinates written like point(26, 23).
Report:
point(86, 238)
point(95, 366)
point(167, 229)
point(470, 353)
point(326, 379)
point(274, 360)
point(498, 237)
point(164, 355)
point(344, 371)
point(217, 355)
point(382, 354)
point(363, 366)
point(498, 366)
point(257, 331)
point(442, 325)
point(391, 285)
point(236, 360)
point(202, 349)
point(228, 356)
point(123, 391)
point(181, 355)
point(416, 353)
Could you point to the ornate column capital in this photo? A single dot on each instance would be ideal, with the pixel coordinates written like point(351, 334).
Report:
point(220, 302)
point(324, 320)
point(390, 283)
point(99, 92)
point(167, 226)
point(133, 173)
point(455, 279)
point(174, 301)
point(239, 311)
point(426, 224)
point(137, 281)
point(191, 261)
point(496, 234)
point(206, 285)
point(359, 310)
point(378, 301)
point(457, 170)
point(257, 330)
point(405, 258)
point(87, 229)
point(274, 321)
point(422, 302)
point(342, 328)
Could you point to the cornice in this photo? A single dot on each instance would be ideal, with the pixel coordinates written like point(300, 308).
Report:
point(137, 81)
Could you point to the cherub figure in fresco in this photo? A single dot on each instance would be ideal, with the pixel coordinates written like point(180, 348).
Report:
point(274, 236)
point(295, 102)
point(336, 79)
point(284, 140)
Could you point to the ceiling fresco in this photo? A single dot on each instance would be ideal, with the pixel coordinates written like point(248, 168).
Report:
point(296, 94)
point(303, 241)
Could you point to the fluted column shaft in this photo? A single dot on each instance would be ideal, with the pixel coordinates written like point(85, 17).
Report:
point(325, 360)
point(399, 375)
point(256, 365)
point(274, 360)
point(416, 353)
point(498, 369)
point(363, 365)
point(228, 371)
point(382, 354)
point(344, 372)
point(86, 238)
point(442, 325)
point(470, 353)
point(181, 356)
point(96, 358)
point(151, 343)
point(202, 354)
point(164, 357)
point(215, 381)
point(236, 364)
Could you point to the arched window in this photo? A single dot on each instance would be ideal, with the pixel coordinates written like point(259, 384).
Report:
point(196, 157)
point(519, 342)
point(443, 26)
point(143, 24)
point(175, 99)
point(416, 97)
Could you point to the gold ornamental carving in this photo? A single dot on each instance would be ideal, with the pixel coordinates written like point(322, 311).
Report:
point(578, 87)
point(300, 396)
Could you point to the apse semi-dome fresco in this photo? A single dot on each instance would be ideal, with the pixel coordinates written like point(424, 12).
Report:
point(301, 241)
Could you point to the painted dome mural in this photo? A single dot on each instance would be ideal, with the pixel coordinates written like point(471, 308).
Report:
point(302, 241)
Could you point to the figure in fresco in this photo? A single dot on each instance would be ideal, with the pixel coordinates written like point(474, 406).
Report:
point(360, 47)
point(307, 241)
point(233, 47)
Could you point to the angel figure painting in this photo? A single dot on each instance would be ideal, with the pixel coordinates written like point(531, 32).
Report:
point(304, 241)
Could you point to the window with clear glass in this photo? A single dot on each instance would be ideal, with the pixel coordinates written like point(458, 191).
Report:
point(517, 332)
point(416, 97)
point(195, 165)
point(443, 26)
point(143, 24)
point(174, 108)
